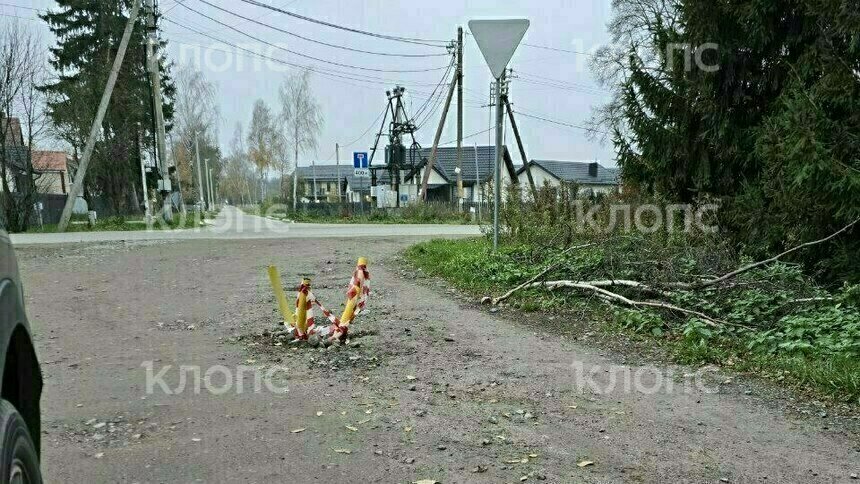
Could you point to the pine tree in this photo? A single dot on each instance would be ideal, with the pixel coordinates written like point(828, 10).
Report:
point(88, 34)
point(773, 132)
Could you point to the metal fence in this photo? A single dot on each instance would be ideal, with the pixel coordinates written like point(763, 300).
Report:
point(419, 212)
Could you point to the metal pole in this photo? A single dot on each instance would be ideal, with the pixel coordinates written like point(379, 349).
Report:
point(477, 182)
point(497, 190)
point(146, 214)
point(337, 156)
point(314, 175)
point(77, 187)
point(460, 193)
point(208, 191)
point(212, 189)
point(295, 181)
point(199, 173)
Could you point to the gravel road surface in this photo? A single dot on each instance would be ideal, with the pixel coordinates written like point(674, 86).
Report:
point(431, 387)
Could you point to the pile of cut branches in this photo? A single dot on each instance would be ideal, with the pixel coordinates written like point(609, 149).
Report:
point(692, 298)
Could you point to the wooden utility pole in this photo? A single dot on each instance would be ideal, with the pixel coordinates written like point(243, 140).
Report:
point(459, 78)
point(77, 187)
point(434, 151)
point(528, 168)
point(155, 80)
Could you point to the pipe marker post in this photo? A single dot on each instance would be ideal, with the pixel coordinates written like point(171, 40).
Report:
point(355, 297)
point(278, 288)
point(302, 309)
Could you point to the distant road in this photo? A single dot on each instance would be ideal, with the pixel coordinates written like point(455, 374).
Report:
point(232, 223)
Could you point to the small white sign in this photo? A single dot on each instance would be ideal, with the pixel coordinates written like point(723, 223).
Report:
point(362, 172)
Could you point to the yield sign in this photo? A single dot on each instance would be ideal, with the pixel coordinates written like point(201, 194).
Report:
point(498, 40)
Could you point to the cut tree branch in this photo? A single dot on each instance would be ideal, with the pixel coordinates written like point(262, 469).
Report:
point(760, 263)
point(541, 273)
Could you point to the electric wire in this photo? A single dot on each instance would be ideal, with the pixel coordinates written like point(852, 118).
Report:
point(349, 66)
point(428, 42)
point(287, 32)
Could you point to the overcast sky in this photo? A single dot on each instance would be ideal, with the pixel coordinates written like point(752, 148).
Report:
point(350, 106)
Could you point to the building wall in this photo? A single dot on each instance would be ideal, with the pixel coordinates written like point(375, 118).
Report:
point(542, 176)
point(52, 182)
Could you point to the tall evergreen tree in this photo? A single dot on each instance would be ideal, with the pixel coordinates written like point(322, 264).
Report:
point(753, 102)
point(88, 34)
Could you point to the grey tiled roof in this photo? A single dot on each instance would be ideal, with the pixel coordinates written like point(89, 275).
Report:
point(446, 162)
point(328, 173)
point(577, 171)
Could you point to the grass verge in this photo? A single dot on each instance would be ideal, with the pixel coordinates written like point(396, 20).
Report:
point(127, 224)
point(812, 349)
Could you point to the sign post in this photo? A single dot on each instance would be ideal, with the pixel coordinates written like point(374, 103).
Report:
point(361, 170)
point(498, 40)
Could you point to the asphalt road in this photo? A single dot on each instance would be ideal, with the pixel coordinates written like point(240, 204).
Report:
point(437, 388)
point(231, 223)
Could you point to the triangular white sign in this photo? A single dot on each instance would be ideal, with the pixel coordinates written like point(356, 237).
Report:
point(498, 40)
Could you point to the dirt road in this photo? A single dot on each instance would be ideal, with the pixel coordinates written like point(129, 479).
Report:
point(436, 389)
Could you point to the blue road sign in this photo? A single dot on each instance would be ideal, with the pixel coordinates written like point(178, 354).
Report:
point(359, 160)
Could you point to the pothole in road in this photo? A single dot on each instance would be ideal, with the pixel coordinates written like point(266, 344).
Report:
point(360, 351)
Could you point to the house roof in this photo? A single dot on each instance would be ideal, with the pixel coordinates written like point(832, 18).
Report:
point(577, 171)
point(446, 162)
point(328, 173)
point(11, 129)
point(49, 160)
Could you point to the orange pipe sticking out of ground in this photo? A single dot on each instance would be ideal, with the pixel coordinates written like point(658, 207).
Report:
point(302, 306)
point(355, 298)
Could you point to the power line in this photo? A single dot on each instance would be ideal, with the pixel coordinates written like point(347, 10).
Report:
point(441, 82)
point(428, 42)
point(548, 81)
point(20, 6)
point(569, 51)
point(560, 123)
point(178, 2)
point(349, 66)
point(584, 90)
point(330, 72)
point(467, 136)
point(318, 41)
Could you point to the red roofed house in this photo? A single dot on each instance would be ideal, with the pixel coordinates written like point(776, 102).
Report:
point(54, 177)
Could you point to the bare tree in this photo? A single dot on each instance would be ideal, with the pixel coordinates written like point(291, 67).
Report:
point(238, 176)
point(22, 121)
point(302, 117)
point(261, 141)
point(196, 116)
point(281, 161)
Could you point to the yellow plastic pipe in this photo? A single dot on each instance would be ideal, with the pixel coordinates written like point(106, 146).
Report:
point(278, 288)
point(349, 310)
point(302, 309)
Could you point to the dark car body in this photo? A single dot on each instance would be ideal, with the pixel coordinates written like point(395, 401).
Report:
point(21, 382)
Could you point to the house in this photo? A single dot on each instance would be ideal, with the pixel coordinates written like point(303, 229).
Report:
point(477, 164)
point(15, 153)
point(591, 176)
point(52, 170)
point(326, 177)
